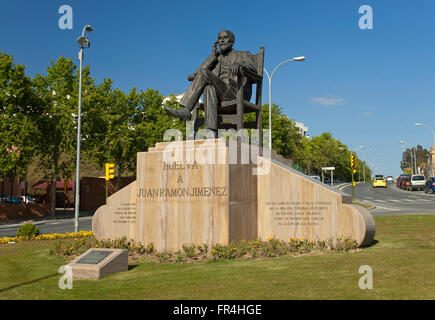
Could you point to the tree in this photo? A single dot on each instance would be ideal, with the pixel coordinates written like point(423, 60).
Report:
point(57, 124)
point(421, 159)
point(286, 139)
point(407, 171)
point(17, 110)
point(118, 126)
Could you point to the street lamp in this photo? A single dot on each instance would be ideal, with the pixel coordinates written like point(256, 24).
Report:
point(364, 166)
point(270, 93)
point(433, 145)
point(84, 42)
point(415, 160)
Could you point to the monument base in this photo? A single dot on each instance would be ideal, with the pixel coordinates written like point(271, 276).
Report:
point(218, 191)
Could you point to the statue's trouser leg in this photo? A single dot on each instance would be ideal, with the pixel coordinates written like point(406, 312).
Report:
point(211, 101)
point(202, 79)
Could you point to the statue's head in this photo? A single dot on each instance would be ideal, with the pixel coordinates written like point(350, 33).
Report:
point(226, 40)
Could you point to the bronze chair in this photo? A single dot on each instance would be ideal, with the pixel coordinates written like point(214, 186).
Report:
point(239, 106)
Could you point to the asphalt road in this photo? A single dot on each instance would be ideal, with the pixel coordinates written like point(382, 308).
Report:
point(392, 200)
point(50, 226)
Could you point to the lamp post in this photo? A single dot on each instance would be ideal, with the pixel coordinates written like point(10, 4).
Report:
point(433, 145)
point(415, 160)
point(84, 42)
point(270, 93)
point(364, 166)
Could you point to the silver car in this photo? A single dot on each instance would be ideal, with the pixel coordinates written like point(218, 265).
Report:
point(417, 182)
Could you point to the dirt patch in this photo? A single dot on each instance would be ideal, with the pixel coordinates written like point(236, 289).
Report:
point(13, 211)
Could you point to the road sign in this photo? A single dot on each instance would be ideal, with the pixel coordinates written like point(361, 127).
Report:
point(328, 169)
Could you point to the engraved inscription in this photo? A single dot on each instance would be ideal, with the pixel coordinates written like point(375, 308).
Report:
point(298, 213)
point(94, 257)
point(125, 213)
point(183, 192)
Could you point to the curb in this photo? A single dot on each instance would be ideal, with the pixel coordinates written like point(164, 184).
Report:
point(7, 226)
point(36, 223)
point(344, 185)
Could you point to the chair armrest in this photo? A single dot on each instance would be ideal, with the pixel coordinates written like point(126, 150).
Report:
point(248, 73)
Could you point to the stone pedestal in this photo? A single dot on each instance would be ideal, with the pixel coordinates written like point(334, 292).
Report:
point(215, 191)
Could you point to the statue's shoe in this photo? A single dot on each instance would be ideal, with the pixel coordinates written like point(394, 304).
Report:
point(183, 114)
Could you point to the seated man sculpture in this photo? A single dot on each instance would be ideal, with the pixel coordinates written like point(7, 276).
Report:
point(216, 80)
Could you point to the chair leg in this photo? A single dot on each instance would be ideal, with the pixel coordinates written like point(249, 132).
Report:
point(259, 128)
point(239, 115)
point(195, 119)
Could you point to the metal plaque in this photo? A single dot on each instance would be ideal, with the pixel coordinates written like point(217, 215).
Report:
point(94, 257)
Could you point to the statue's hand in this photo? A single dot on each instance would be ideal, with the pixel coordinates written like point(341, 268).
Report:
point(215, 49)
point(191, 77)
point(235, 69)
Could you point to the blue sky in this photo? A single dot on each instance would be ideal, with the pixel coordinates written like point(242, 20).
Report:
point(366, 87)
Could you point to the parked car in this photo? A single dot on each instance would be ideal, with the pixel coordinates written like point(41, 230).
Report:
point(390, 179)
point(416, 182)
point(316, 178)
point(398, 181)
point(404, 182)
point(379, 182)
point(27, 199)
point(401, 180)
point(429, 187)
point(7, 199)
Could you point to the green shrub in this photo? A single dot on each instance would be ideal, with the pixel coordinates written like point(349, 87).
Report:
point(28, 230)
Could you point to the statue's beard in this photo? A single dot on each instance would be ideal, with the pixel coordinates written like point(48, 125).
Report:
point(226, 47)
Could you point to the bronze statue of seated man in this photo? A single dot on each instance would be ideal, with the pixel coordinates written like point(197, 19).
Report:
point(216, 80)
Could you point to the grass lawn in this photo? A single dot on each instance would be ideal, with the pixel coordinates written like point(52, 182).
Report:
point(403, 263)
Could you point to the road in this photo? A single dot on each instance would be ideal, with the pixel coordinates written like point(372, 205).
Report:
point(392, 200)
point(50, 226)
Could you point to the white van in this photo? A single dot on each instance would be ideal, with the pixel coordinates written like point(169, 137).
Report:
point(417, 182)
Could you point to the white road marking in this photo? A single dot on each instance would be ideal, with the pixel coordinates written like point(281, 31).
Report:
point(390, 209)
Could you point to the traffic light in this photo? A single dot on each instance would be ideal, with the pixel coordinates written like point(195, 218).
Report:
point(353, 162)
point(109, 171)
point(65, 186)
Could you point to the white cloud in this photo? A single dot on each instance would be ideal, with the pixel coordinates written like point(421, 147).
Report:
point(368, 113)
point(327, 101)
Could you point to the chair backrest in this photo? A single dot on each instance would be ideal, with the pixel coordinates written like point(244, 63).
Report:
point(259, 61)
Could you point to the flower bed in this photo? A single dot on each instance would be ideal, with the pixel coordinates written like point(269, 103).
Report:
point(195, 253)
point(48, 236)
